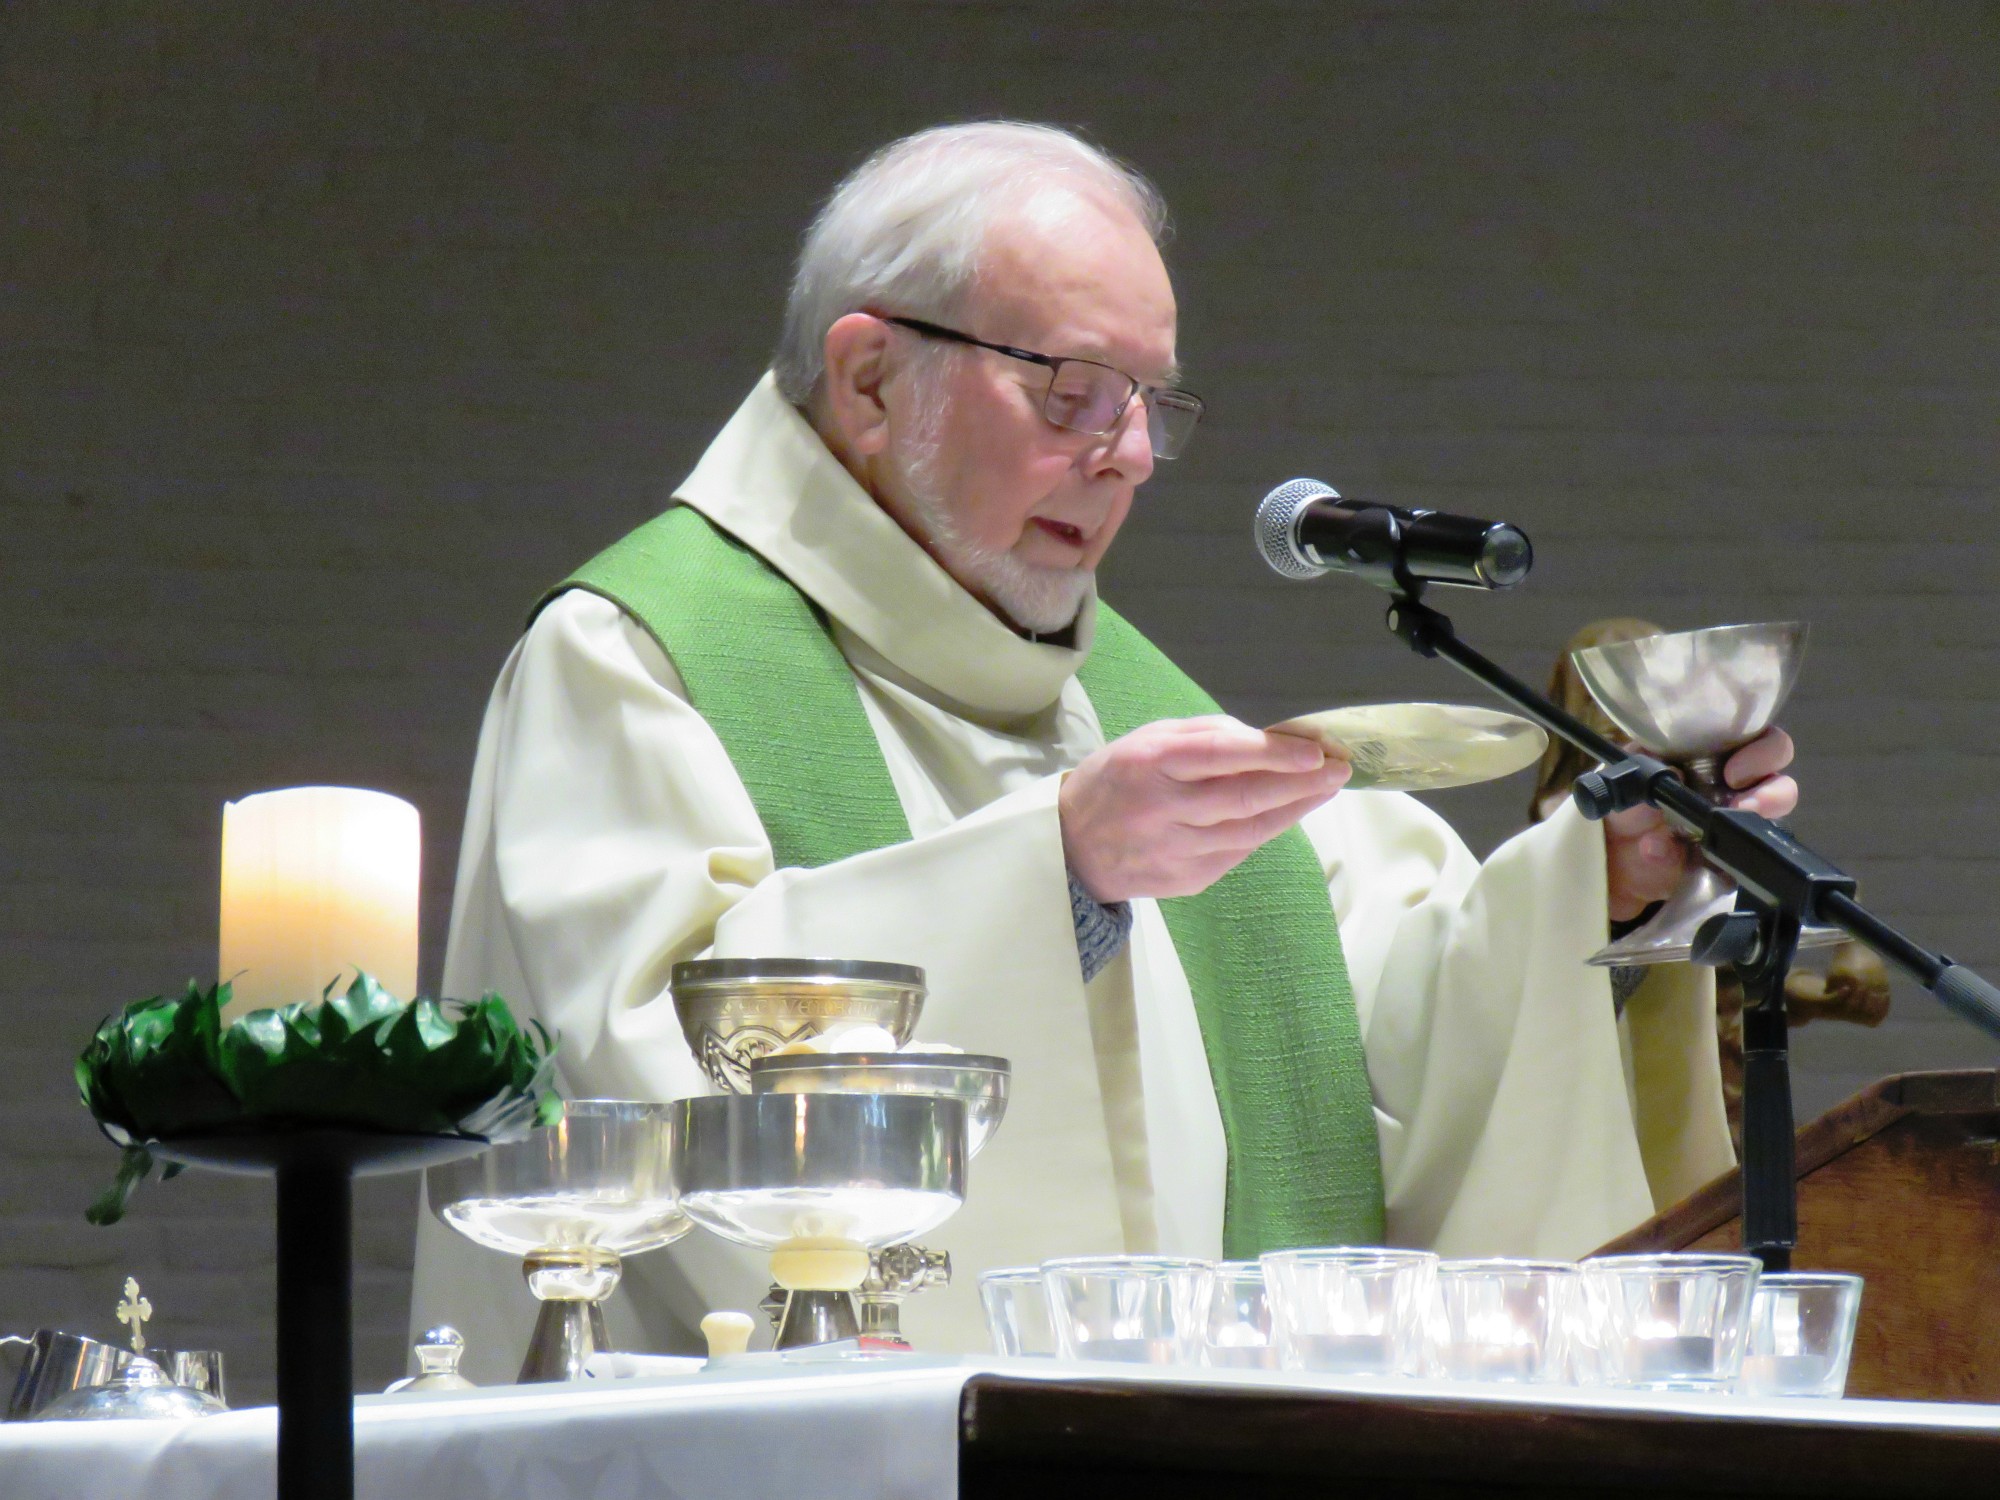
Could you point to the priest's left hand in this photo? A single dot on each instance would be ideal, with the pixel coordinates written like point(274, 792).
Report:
point(1644, 859)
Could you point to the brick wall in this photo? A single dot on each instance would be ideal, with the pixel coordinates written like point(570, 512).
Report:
point(329, 335)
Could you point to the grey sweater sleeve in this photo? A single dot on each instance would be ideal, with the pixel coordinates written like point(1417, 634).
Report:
point(1101, 931)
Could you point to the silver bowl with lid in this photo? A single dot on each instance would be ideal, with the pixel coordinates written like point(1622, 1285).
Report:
point(981, 1082)
point(141, 1389)
point(735, 1010)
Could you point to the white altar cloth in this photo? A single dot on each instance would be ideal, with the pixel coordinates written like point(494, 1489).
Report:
point(754, 1427)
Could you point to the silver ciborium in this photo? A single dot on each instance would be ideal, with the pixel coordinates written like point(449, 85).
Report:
point(980, 1082)
point(1692, 698)
point(819, 1181)
point(735, 1010)
point(572, 1199)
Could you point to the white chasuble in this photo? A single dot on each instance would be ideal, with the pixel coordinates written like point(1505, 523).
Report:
point(608, 838)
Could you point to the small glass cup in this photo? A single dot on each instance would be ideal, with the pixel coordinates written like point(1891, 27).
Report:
point(1801, 1334)
point(1671, 1322)
point(1017, 1312)
point(1505, 1320)
point(1239, 1319)
point(1134, 1309)
point(1586, 1329)
point(1352, 1310)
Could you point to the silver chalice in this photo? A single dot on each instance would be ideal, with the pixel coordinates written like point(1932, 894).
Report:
point(572, 1199)
point(735, 1010)
point(819, 1181)
point(980, 1082)
point(1693, 698)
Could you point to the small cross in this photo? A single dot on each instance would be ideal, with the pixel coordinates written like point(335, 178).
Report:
point(135, 1310)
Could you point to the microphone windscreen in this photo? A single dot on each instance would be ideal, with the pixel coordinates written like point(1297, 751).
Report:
point(1276, 528)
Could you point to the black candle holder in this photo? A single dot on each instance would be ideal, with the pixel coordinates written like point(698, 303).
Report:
point(315, 1170)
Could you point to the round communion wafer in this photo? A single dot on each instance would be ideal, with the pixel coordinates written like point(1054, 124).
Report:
point(1420, 747)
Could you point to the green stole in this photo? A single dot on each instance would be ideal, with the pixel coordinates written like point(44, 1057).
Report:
point(1260, 947)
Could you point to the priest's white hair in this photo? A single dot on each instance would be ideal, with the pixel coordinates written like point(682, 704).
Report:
point(905, 229)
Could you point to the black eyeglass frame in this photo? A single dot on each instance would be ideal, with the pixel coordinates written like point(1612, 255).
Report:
point(1185, 401)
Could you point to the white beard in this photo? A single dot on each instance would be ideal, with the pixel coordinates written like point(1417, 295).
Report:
point(1040, 600)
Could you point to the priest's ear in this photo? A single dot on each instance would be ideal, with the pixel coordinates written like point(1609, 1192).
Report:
point(851, 411)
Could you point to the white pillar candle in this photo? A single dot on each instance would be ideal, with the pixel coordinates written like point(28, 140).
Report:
point(317, 881)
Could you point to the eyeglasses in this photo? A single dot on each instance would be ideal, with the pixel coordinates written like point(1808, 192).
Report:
point(1088, 397)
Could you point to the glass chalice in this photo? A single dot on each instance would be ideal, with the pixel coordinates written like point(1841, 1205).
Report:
point(572, 1199)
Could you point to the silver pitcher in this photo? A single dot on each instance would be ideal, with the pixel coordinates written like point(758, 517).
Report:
point(56, 1364)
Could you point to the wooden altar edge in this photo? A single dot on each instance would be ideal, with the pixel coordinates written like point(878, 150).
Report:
point(1968, 1092)
point(1048, 1439)
point(1901, 1186)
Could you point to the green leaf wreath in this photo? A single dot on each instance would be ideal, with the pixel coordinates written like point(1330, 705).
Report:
point(363, 1060)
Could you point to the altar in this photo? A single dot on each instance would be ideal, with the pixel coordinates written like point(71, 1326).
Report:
point(932, 1429)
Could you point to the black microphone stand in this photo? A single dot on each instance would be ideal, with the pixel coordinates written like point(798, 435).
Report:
point(1782, 886)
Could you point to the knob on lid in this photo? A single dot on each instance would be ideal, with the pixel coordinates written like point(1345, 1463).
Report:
point(439, 1350)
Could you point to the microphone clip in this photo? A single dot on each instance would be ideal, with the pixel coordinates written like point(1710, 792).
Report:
point(1414, 622)
point(1617, 785)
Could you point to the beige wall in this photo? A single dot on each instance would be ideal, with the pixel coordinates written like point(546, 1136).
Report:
point(329, 335)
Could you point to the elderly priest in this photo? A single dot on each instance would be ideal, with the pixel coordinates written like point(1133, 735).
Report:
point(853, 695)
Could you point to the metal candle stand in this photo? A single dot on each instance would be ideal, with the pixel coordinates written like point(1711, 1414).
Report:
point(1782, 887)
point(315, 1170)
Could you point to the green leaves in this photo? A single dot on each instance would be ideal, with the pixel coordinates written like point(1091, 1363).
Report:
point(361, 1060)
point(135, 1164)
point(159, 1061)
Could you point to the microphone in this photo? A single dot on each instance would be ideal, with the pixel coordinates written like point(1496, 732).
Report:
point(1304, 529)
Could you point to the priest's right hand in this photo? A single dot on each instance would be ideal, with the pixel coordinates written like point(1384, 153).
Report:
point(1172, 807)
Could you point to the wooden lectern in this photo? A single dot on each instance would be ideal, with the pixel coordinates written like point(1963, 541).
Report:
point(1900, 1184)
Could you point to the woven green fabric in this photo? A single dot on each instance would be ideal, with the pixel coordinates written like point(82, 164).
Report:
point(760, 665)
point(1260, 948)
point(1261, 952)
